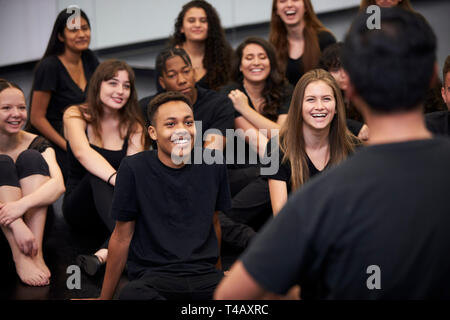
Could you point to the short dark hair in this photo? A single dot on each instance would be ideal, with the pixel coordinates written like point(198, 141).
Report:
point(331, 57)
point(168, 53)
point(445, 70)
point(163, 98)
point(391, 67)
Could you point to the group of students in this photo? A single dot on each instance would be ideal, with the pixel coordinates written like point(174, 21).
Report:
point(167, 219)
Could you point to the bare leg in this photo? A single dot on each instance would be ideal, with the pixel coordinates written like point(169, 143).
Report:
point(102, 255)
point(35, 217)
point(26, 268)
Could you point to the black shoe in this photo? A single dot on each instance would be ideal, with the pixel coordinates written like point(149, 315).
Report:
point(89, 263)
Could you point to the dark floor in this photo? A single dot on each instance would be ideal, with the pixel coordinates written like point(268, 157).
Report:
point(61, 247)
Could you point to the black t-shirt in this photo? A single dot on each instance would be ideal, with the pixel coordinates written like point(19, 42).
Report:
point(213, 109)
point(173, 210)
point(387, 206)
point(250, 157)
point(294, 68)
point(438, 122)
point(284, 172)
point(51, 75)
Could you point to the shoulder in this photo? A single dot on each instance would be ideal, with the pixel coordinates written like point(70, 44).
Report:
point(326, 38)
point(89, 57)
point(48, 66)
point(213, 98)
point(231, 86)
point(145, 101)
point(136, 160)
point(72, 111)
point(38, 143)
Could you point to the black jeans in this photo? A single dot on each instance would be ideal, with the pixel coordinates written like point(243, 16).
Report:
point(167, 286)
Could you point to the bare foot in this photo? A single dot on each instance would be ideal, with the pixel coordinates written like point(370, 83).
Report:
point(39, 261)
point(29, 272)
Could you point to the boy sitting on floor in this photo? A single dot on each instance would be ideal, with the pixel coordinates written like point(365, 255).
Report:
point(166, 211)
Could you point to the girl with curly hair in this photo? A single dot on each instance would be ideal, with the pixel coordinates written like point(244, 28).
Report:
point(199, 32)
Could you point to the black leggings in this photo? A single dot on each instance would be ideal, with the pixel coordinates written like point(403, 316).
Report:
point(90, 200)
point(29, 162)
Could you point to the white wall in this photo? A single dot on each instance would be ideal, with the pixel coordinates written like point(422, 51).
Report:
point(25, 25)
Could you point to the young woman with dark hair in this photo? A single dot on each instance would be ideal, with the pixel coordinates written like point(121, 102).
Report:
point(298, 37)
point(260, 96)
point(99, 135)
point(199, 32)
point(30, 182)
point(60, 79)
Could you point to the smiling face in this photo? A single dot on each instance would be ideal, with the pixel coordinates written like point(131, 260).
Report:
point(77, 40)
point(173, 129)
point(255, 64)
point(195, 25)
point(115, 92)
point(13, 111)
point(319, 106)
point(291, 12)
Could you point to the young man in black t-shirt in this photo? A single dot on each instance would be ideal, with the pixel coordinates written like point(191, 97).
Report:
point(216, 114)
point(166, 203)
point(376, 226)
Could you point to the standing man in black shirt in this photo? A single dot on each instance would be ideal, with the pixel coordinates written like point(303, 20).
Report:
point(166, 204)
point(376, 226)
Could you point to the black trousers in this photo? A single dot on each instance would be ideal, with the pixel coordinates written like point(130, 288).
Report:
point(166, 286)
point(251, 207)
point(88, 207)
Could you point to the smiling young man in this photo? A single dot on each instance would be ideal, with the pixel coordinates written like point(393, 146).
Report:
point(166, 213)
point(375, 226)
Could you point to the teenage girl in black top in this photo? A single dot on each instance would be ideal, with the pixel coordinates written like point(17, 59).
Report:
point(60, 80)
point(30, 181)
point(99, 134)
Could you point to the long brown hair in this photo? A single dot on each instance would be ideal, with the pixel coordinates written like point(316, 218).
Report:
point(292, 142)
point(278, 37)
point(131, 119)
point(404, 4)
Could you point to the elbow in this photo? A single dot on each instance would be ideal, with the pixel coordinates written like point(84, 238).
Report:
point(61, 188)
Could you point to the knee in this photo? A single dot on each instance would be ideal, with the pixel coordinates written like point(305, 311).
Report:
point(8, 172)
point(31, 162)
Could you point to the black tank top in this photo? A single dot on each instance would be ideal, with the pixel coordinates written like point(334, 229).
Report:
point(77, 171)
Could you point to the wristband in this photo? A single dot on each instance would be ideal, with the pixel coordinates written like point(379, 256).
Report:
point(109, 179)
